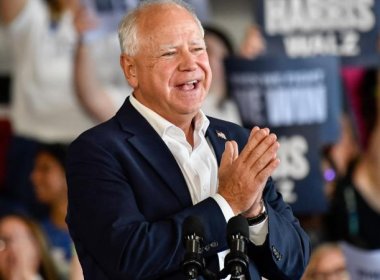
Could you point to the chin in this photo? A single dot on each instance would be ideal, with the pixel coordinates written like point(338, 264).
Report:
point(194, 109)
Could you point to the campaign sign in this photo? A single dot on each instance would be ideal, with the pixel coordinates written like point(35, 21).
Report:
point(361, 264)
point(305, 28)
point(300, 100)
point(298, 177)
point(281, 92)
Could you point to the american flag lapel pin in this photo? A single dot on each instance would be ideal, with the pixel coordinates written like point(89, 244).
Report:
point(221, 135)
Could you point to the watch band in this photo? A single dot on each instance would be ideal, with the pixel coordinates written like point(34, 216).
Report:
point(260, 217)
point(257, 219)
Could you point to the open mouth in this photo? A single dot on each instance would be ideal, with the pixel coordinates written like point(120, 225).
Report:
point(190, 85)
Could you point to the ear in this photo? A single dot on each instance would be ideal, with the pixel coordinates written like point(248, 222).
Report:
point(128, 65)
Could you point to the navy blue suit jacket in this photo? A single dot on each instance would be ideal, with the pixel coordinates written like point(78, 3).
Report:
point(128, 200)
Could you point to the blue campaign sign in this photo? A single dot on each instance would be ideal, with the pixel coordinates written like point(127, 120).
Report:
point(298, 177)
point(300, 100)
point(305, 28)
point(282, 92)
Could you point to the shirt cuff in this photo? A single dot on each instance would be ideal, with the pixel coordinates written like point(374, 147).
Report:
point(224, 206)
point(258, 233)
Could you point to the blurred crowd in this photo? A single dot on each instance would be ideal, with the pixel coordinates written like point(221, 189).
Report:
point(59, 81)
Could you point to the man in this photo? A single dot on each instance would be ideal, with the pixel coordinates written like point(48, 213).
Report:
point(134, 179)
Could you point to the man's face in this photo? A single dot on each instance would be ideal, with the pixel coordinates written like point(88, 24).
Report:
point(171, 72)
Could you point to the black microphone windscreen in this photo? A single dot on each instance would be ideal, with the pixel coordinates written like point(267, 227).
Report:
point(192, 225)
point(238, 224)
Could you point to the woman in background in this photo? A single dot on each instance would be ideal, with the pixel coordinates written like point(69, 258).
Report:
point(49, 181)
point(354, 214)
point(24, 253)
point(219, 103)
point(327, 262)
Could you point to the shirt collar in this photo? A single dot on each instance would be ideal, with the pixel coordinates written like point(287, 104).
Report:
point(161, 125)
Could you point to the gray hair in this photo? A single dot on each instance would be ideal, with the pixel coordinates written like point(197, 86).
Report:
point(128, 26)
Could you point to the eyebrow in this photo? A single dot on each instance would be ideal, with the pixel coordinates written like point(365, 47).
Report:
point(165, 47)
point(198, 42)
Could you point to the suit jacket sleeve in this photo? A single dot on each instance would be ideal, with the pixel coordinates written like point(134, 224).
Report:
point(286, 251)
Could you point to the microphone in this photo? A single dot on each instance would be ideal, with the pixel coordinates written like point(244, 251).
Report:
point(236, 261)
point(193, 263)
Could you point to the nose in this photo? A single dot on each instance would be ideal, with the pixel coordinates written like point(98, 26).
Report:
point(188, 61)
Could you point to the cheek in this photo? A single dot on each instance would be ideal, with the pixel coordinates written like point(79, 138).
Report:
point(53, 185)
point(163, 82)
point(31, 254)
point(206, 68)
point(57, 184)
point(2, 261)
point(165, 74)
point(34, 253)
point(209, 75)
point(156, 78)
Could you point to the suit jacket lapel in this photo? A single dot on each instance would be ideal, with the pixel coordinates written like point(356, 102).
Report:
point(218, 137)
point(150, 145)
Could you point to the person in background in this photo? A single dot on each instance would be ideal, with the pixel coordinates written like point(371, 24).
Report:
point(24, 253)
point(97, 75)
point(5, 127)
point(44, 36)
point(253, 44)
point(133, 180)
point(49, 181)
point(327, 262)
point(337, 157)
point(355, 205)
point(76, 272)
point(219, 103)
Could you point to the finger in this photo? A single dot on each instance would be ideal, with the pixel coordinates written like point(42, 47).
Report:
point(255, 138)
point(228, 154)
point(255, 132)
point(235, 150)
point(260, 149)
point(266, 172)
point(267, 156)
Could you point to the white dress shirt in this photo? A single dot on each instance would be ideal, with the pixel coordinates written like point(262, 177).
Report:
point(198, 165)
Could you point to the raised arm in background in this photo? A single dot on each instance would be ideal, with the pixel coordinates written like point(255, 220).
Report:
point(90, 91)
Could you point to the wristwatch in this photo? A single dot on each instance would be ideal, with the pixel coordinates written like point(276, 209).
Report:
point(259, 218)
